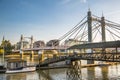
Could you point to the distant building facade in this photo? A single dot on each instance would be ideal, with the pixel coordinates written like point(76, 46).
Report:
point(25, 45)
point(54, 42)
point(71, 42)
point(38, 44)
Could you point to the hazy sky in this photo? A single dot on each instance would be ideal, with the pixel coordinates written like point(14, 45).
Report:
point(49, 19)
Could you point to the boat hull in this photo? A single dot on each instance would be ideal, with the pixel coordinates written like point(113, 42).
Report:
point(26, 69)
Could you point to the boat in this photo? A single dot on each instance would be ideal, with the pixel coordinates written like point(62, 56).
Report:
point(2, 69)
point(18, 66)
point(26, 69)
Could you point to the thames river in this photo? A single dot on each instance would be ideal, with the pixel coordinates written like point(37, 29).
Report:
point(111, 72)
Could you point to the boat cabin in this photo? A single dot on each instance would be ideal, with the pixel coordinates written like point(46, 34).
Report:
point(15, 64)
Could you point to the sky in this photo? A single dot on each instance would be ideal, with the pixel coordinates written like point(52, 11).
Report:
point(49, 19)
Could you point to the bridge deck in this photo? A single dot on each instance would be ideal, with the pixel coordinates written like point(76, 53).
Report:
point(111, 44)
point(108, 57)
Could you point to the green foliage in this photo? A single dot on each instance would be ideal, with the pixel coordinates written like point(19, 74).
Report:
point(6, 45)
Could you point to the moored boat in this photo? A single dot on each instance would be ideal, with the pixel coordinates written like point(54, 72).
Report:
point(18, 66)
point(2, 69)
point(25, 69)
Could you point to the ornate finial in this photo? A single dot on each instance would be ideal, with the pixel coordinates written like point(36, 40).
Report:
point(88, 7)
point(32, 37)
point(102, 14)
point(21, 37)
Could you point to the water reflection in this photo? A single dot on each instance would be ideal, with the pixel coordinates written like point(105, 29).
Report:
point(105, 73)
point(91, 73)
point(44, 75)
point(21, 76)
point(99, 73)
point(74, 72)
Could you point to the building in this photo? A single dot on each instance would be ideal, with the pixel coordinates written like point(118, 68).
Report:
point(25, 45)
point(54, 42)
point(71, 42)
point(38, 44)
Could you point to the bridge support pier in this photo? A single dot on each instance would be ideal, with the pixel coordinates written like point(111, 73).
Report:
point(21, 54)
point(74, 72)
point(41, 55)
point(32, 55)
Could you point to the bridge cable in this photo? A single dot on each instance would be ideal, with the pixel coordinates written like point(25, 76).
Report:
point(78, 33)
point(83, 32)
point(114, 30)
point(113, 33)
point(96, 32)
point(71, 29)
point(75, 30)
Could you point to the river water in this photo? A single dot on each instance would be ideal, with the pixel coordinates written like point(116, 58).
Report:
point(111, 72)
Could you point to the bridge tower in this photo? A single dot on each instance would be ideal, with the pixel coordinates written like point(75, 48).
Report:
point(103, 28)
point(22, 45)
point(89, 21)
point(103, 31)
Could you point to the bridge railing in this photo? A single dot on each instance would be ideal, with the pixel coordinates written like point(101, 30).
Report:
point(108, 57)
point(112, 57)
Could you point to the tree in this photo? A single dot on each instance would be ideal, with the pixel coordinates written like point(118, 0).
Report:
point(6, 45)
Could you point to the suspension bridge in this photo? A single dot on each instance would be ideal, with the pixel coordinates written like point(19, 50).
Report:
point(95, 38)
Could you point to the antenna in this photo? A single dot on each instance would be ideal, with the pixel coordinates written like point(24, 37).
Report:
point(102, 14)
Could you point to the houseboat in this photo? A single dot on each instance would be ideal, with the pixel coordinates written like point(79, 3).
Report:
point(17, 66)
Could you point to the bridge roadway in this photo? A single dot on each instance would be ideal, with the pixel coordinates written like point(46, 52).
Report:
point(108, 57)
